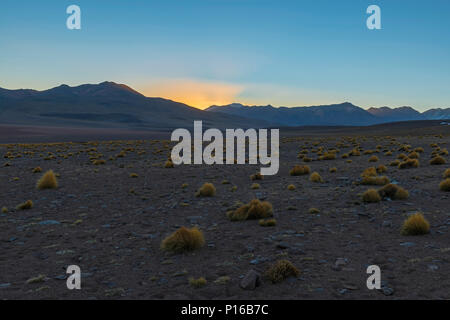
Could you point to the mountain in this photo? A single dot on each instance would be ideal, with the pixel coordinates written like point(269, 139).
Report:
point(344, 114)
point(107, 104)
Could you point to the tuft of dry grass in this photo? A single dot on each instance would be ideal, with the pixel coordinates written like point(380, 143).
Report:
point(291, 187)
point(183, 239)
point(373, 159)
point(168, 164)
point(47, 181)
point(415, 225)
point(256, 176)
point(377, 181)
point(445, 185)
point(37, 170)
point(381, 168)
point(197, 283)
point(438, 160)
point(267, 222)
point(371, 196)
point(394, 192)
point(281, 270)
point(394, 163)
point(313, 211)
point(408, 163)
point(300, 170)
point(333, 170)
point(315, 177)
point(369, 172)
point(255, 186)
point(4, 210)
point(25, 206)
point(207, 190)
point(256, 209)
point(446, 173)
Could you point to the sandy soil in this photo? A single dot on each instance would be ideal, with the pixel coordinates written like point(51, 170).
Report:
point(112, 225)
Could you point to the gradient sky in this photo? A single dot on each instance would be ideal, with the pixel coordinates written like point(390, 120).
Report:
point(203, 52)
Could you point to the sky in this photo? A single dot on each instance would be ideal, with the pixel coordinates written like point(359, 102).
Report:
point(256, 52)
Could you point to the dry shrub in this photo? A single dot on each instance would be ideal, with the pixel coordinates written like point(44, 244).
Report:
point(333, 170)
point(4, 210)
point(207, 190)
point(281, 270)
point(413, 155)
point(438, 160)
point(47, 181)
point(446, 173)
point(394, 163)
point(378, 181)
point(256, 209)
point(255, 186)
point(168, 164)
point(373, 159)
point(267, 222)
point(369, 172)
point(197, 283)
point(306, 159)
point(393, 192)
point(415, 225)
point(299, 170)
point(329, 156)
point(371, 196)
point(25, 206)
point(409, 163)
point(291, 187)
point(315, 177)
point(445, 185)
point(313, 211)
point(256, 176)
point(37, 170)
point(183, 239)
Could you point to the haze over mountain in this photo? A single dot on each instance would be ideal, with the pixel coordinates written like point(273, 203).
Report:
point(112, 105)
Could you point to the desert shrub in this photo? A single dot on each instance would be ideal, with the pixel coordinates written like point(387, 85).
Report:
point(333, 170)
point(207, 190)
point(329, 156)
point(445, 185)
point(355, 152)
point(413, 155)
point(197, 283)
point(183, 239)
point(4, 210)
point(313, 211)
point(134, 175)
point(37, 170)
point(402, 156)
point(437, 160)
point(369, 172)
point(291, 187)
point(267, 222)
point(388, 153)
point(373, 159)
point(393, 191)
point(419, 150)
point(25, 206)
point(255, 186)
point(168, 164)
point(409, 163)
point(47, 181)
point(256, 209)
point(381, 168)
point(184, 185)
point(349, 161)
point(281, 270)
point(444, 152)
point(379, 181)
point(371, 196)
point(315, 177)
point(415, 225)
point(446, 173)
point(256, 176)
point(306, 159)
point(299, 170)
point(345, 156)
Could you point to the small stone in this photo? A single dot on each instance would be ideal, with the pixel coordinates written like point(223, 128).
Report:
point(251, 280)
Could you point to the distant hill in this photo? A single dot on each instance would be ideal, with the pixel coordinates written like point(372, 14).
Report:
point(107, 104)
point(344, 114)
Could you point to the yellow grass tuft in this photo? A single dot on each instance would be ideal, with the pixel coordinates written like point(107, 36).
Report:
point(37, 170)
point(438, 160)
point(369, 172)
point(197, 283)
point(378, 181)
point(373, 159)
point(314, 211)
point(333, 170)
point(371, 196)
point(446, 173)
point(256, 209)
point(267, 222)
point(134, 175)
point(207, 190)
point(291, 187)
point(381, 168)
point(394, 192)
point(315, 177)
point(47, 181)
point(255, 186)
point(25, 206)
point(415, 225)
point(168, 164)
point(4, 210)
point(445, 185)
point(281, 270)
point(256, 176)
point(299, 170)
point(183, 239)
point(408, 163)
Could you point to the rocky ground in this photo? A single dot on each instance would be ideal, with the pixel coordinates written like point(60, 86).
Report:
point(111, 224)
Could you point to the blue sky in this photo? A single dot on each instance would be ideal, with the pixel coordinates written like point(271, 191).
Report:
point(203, 52)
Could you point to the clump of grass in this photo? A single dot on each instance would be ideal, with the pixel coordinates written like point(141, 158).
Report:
point(267, 222)
point(314, 211)
point(438, 160)
point(184, 185)
point(255, 186)
point(413, 155)
point(300, 170)
point(47, 181)
point(197, 283)
point(409, 163)
point(333, 170)
point(37, 170)
point(168, 164)
point(381, 168)
point(4, 210)
point(25, 206)
point(378, 181)
point(134, 175)
point(207, 190)
point(373, 159)
point(393, 191)
point(394, 163)
point(329, 156)
point(256, 176)
point(415, 225)
point(369, 172)
point(445, 185)
point(291, 187)
point(281, 270)
point(446, 173)
point(256, 209)
point(371, 196)
point(99, 162)
point(183, 239)
point(315, 177)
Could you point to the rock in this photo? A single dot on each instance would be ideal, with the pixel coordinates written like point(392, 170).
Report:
point(48, 222)
point(251, 280)
point(283, 245)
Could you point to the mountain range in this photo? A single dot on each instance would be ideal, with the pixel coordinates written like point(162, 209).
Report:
point(109, 104)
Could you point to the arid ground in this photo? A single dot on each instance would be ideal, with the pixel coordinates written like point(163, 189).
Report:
point(110, 219)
